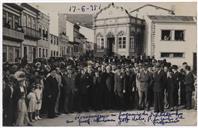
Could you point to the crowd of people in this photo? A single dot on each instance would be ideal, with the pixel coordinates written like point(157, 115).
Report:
point(50, 88)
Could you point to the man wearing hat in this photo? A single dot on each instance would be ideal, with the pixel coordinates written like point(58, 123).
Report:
point(51, 93)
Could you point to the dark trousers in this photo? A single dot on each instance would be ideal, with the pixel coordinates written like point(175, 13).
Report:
point(51, 106)
point(158, 101)
point(84, 102)
point(173, 98)
point(108, 99)
point(8, 115)
point(127, 99)
point(182, 94)
point(120, 101)
point(61, 101)
point(68, 104)
point(188, 99)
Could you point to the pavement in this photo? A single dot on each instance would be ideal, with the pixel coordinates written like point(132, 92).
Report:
point(125, 118)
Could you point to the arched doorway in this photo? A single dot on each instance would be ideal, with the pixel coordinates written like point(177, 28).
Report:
point(110, 44)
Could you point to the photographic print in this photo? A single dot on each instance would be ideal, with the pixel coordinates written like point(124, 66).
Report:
point(99, 64)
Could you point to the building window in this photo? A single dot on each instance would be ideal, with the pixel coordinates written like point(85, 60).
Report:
point(46, 35)
point(172, 54)
point(179, 35)
point(75, 48)
point(33, 23)
point(24, 20)
point(51, 53)
point(10, 54)
point(10, 20)
point(57, 53)
point(43, 35)
point(51, 39)
point(39, 52)
point(122, 42)
point(43, 52)
point(54, 53)
point(166, 35)
point(28, 21)
point(17, 22)
point(46, 53)
point(54, 40)
point(100, 41)
point(4, 18)
point(132, 41)
point(4, 53)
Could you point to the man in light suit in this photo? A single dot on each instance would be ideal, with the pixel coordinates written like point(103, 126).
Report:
point(119, 88)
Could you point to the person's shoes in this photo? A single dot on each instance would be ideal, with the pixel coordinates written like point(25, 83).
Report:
point(36, 118)
point(58, 113)
point(39, 118)
point(147, 109)
point(188, 108)
point(29, 124)
point(172, 109)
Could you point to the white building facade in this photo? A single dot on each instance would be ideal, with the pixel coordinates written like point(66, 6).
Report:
point(173, 38)
point(118, 33)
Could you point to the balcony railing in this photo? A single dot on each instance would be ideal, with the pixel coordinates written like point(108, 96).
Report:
point(13, 34)
point(32, 33)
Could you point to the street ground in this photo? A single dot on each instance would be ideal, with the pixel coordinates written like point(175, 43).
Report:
point(116, 118)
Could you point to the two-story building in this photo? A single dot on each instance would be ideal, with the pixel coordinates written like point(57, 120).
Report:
point(31, 31)
point(44, 42)
point(143, 12)
point(173, 38)
point(54, 46)
point(13, 35)
point(116, 32)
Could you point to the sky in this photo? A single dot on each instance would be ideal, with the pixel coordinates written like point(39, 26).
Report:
point(52, 9)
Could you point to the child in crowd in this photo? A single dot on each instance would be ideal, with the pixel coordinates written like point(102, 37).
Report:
point(38, 92)
point(32, 104)
point(22, 116)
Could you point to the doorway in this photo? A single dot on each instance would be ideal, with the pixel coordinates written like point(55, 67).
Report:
point(25, 51)
point(110, 43)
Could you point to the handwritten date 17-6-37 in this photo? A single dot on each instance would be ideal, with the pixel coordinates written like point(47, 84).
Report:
point(84, 8)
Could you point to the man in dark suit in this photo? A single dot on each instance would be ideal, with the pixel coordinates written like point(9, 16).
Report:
point(109, 82)
point(128, 85)
point(83, 86)
point(51, 93)
point(175, 78)
point(189, 87)
point(69, 90)
point(158, 88)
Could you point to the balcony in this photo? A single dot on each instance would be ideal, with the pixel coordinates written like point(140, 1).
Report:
point(13, 34)
point(31, 33)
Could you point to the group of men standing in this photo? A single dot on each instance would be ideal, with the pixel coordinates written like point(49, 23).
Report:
point(99, 86)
